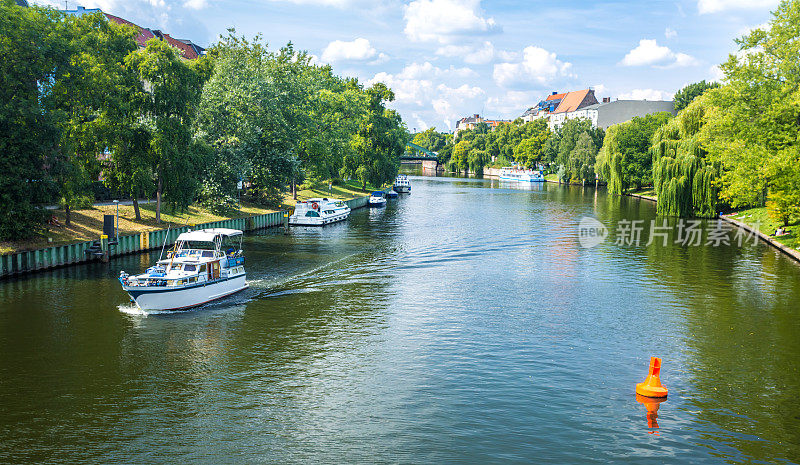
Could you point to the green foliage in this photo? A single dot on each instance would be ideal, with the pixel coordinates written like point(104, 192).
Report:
point(624, 160)
point(168, 106)
point(574, 146)
point(753, 129)
point(686, 95)
point(685, 180)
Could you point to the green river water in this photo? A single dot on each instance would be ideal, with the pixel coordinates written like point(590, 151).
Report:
point(463, 323)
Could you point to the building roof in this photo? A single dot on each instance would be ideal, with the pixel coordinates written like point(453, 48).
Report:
point(188, 49)
point(556, 96)
point(576, 100)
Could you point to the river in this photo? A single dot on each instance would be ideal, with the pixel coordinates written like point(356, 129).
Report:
point(464, 323)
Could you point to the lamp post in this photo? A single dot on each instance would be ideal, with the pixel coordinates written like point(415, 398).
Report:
point(116, 227)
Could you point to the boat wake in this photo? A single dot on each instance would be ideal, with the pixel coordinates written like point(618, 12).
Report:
point(134, 310)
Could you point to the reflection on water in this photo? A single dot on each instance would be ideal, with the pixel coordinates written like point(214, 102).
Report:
point(461, 323)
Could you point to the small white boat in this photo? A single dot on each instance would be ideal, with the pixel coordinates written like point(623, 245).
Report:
point(319, 212)
point(377, 199)
point(514, 174)
point(204, 265)
point(401, 184)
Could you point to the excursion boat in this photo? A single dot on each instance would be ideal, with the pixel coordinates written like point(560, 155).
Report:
point(514, 174)
point(204, 265)
point(377, 199)
point(318, 212)
point(401, 184)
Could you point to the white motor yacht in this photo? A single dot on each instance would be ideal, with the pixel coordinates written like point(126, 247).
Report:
point(377, 199)
point(319, 212)
point(514, 174)
point(204, 265)
point(401, 184)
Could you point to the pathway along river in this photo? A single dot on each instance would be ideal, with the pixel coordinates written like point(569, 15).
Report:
point(462, 324)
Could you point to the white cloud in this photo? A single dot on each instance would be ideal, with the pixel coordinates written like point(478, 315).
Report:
point(599, 90)
point(421, 124)
point(427, 70)
point(513, 102)
point(715, 6)
point(648, 52)
point(444, 20)
point(645, 94)
point(669, 33)
point(715, 73)
point(538, 66)
point(477, 54)
point(356, 50)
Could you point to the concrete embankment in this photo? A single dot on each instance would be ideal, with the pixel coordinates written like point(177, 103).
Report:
point(72, 254)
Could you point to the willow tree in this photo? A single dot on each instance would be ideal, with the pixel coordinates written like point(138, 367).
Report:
point(683, 177)
point(624, 160)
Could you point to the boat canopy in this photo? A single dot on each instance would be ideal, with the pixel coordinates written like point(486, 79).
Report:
point(378, 193)
point(208, 235)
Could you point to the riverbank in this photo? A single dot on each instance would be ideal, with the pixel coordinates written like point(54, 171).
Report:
point(87, 224)
point(752, 220)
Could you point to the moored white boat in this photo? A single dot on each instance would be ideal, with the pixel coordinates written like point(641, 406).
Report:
point(377, 199)
point(319, 212)
point(402, 184)
point(195, 271)
point(514, 174)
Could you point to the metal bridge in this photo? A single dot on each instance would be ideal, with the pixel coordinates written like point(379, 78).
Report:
point(418, 153)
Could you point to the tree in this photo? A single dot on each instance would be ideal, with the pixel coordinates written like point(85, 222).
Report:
point(459, 161)
point(172, 91)
point(752, 130)
point(28, 134)
point(684, 178)
point(686, 95)
point(431, 140)
point(576, 163)
point(90, 100)
point(530, 150)
point(624, 160)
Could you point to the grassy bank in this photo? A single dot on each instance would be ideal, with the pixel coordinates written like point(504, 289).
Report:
point(87, 224)
point(767, 225)
point(345, 191)
point(646, 192)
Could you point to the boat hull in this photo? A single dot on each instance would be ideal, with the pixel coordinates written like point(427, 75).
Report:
point(402, 189)
point(522, 179)
point(317, 221)
point(376, 204)
point(166, 298)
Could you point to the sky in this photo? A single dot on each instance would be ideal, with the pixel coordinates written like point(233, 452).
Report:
point(446, 59)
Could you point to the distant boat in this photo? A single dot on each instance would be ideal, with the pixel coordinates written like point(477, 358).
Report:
point(391, 194)
point(319, 212)
point(196, 271)
point(377, 199)
point(401, 184)
point(514, 174)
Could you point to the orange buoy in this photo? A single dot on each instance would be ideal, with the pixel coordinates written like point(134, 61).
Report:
point(651, 387)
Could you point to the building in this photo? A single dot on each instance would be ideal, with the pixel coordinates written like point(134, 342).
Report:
point(558, 108)
point(608, 113)
point(571, 103)
point(188, 49)
point(472, 122)
point(544, 108)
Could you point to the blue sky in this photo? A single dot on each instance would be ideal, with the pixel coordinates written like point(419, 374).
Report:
point(450, 58)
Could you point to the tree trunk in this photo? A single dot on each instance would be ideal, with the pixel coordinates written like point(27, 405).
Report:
point(294, 190)
point(67, 216)
point(136, 209)
point(158, 200)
